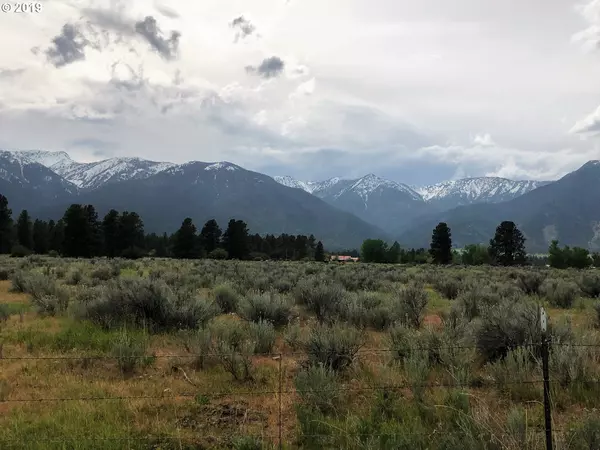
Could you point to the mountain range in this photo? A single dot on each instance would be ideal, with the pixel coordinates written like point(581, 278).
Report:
point(341, 212)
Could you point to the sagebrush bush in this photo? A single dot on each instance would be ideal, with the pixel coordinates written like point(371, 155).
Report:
point(570, 364)
point(46, 295)
point(333, 347)
point(585, 434)
point(530, 282)
point(506, 327)
point(589, 283)
point(237, 360)
point(448, 287)
point(4, 312)
point(227, 298)
point(4, 274)
point(199, 343)
point(269, 306)
point(263, 335)
point(320, 297)
point(293, 336)
point(473, 302)
point(148, 303)
point(318, 388)
point(559, 293)
point(367, 309)
point(410, 303)
point(513, 374)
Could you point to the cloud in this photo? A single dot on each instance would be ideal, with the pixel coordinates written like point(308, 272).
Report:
point(68, 47)
point(167, 48)
point(270, 68)
point(590, 37)
point(99, 147)
point(10, 73)
point(243, 27)
point(166, 11)
point(589, 125)
point(484, 157)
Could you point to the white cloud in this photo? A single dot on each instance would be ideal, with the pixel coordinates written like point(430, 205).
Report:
point(391, 80)
point(484, 157)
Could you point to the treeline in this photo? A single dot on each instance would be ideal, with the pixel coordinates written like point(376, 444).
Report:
point(506, 248)
point(81, 233)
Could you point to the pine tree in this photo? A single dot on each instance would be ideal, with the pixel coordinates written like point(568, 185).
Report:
point(6, 226)
point(24, 230)
point(319, 252)
point(41, 237)
point(185, 241)
point(441, 244)
point(94, 228)
point(393, 254)
point(110, 230)
point(210, 236)
point(131, 234)
point(235, 239)
point(56, 232)
point(508, 246)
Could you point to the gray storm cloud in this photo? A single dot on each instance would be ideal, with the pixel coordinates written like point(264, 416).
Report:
point(167, 48)
point(68, 47)
point(270, 68)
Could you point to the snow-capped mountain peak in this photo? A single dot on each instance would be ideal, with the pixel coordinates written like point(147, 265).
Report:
point(370, 183)
point(477, 190)
point(94, 174)
point(222, 165)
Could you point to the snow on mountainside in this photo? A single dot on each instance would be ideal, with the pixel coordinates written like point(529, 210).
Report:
point(478, 190)
point(94, 174)
point(335, 187)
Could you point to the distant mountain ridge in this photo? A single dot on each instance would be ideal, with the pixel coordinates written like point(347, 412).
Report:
point(165, 193)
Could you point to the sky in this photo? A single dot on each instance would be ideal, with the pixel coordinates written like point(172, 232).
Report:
point(418, 92)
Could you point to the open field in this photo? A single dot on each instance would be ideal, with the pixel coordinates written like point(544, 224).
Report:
point(170, 354)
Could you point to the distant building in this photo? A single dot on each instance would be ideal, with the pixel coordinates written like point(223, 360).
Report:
point(343, 258)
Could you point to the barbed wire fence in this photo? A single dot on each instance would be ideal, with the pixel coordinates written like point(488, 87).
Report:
point(278, 439)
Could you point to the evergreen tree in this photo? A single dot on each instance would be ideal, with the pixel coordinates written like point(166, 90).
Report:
point(6, 226)
point(56, 232)
point(393, 255)
point(94, 227)
point(556, 256)
point(210, 236)
point(41, 237)
point(131, 234)
point(374, 250)
point(24, 230)
point(319, 252)
point(82, 232)
point(185, 241)
point(475, 255)
point(235, 239)
point(441, 244)
point(507, 248)
point(110, 230)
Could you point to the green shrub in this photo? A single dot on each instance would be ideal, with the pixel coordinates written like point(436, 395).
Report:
point(410, 302)
point(530, 282)
point(263, 334)
point(130, 352)
point(401, 341)
point(237, 360)
point(144, 302)
point(227, 298)
point(267, 306)
point(4, 274)
point(320, 297)
point(318, 388)
point(473, 302)
point(367, 309)
point(218, 254)
point(585, 434)
point(199, 343)
point(74, 277)
point(333, 347)
point(506, 327)
point(4, 312)
point(448, 287)
point(102, 273)
point(18, 251)
point(589, 283)
point(513, 375)
point(559, 293)
point(293, 336)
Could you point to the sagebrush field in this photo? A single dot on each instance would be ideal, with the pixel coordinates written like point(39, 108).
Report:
point(172, 354)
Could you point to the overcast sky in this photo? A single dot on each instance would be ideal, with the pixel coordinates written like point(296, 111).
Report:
point(416, 91)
